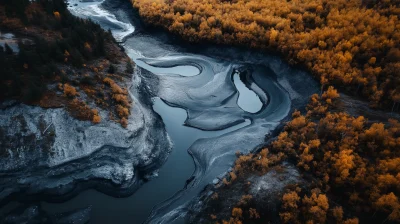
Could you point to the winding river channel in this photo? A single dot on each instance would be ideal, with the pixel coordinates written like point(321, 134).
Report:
point(213, 102)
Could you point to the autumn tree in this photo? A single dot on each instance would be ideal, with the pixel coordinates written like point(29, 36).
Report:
point(342, 43)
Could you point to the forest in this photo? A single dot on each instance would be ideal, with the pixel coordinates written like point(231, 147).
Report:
point(352, 164)
point(351, 44)
point(352, 168)
point(73, 54)
point(23, 73)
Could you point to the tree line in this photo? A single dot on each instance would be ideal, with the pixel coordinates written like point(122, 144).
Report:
point(352, 44)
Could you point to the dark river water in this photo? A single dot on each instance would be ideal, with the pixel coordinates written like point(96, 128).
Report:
point(209, 113)
point(171, 177)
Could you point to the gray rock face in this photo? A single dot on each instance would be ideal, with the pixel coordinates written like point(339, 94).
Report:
point(47, 152)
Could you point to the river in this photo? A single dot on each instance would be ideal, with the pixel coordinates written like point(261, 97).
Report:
point(213, 103)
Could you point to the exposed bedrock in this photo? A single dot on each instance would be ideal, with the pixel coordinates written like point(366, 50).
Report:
point(48, 154)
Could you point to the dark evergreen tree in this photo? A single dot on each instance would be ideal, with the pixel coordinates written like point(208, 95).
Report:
point(9, 50)
point(129, 67)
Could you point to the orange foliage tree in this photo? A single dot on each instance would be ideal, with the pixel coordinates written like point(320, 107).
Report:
point(346, 153)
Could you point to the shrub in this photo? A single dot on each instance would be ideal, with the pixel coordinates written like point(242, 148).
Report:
point(124, 122)
point(122, 111)
point(96, 119)
point(69, 90)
